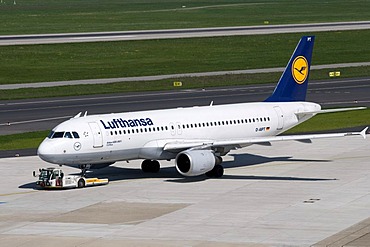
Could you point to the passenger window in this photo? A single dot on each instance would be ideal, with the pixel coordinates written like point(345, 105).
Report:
point(75, 134)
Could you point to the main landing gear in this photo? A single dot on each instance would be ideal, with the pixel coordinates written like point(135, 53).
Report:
point(216, 172)
point(218, 169)
point(151, 166)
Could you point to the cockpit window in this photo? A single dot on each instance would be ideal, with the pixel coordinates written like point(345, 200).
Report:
point(58, 135)
point(63, 134)
point(75, 135)
point(68, 135)
point(51, 134)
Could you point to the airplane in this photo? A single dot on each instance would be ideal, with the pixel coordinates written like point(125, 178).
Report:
point(195, 137)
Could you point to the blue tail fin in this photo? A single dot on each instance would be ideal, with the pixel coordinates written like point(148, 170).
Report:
point(292, 85)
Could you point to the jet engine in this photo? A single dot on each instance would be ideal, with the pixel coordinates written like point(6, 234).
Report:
point(195, 162)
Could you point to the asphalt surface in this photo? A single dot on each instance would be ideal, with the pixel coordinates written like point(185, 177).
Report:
point(43, 114)
point(288, 194)
point(179, 33)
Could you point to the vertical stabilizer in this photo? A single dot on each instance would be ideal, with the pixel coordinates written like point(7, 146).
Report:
point(292, 85)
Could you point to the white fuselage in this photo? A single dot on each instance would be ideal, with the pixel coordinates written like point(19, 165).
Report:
point(108, 138)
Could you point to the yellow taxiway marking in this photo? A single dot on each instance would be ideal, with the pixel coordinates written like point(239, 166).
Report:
point(18, 193)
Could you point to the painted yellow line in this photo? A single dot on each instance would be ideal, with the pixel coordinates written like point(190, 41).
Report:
point(18, 193)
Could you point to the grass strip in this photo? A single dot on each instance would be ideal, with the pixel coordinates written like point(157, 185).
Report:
point(332, 121)
point(318, 123)
point(187, 83)
point(23, 140)
point(55, 16)
point(64, 62)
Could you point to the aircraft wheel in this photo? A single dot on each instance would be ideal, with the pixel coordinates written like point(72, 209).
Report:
point(216, 172)
point(81, 183)
point(145, 165)
point(210, 174)
point(152, 166)
point(155, 166)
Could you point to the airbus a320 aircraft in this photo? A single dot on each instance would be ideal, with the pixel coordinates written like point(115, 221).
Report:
point(195, 137)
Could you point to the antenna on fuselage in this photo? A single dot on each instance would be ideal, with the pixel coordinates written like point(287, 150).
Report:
point(85, 114)
point(78, 115)
point(211, 103)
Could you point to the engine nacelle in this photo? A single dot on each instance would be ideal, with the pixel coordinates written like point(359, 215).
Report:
point(195, 162)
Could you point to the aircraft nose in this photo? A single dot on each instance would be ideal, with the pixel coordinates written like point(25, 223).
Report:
point(46, 151)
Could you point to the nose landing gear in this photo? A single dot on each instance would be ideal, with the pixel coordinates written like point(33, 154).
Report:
point(84, 169)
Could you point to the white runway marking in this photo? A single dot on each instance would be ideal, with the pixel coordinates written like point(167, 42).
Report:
point(34, 120)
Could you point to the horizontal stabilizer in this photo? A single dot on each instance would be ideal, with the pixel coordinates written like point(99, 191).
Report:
point(329, 111)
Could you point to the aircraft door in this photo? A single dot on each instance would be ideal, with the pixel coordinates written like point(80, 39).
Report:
point(97, 135)
point(178, 127)
point(172, 128)
point(280, 117)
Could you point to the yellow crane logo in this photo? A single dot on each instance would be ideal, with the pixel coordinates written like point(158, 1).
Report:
point(300, 69)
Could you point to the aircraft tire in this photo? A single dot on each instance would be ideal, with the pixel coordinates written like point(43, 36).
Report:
point(216, 172)
point(145, 166)
point(151, 166)
point(155, 166)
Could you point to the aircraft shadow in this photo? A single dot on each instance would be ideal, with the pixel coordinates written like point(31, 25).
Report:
point(170, 174)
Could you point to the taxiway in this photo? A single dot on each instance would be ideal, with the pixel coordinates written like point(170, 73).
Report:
point(290, 194)
point(42, 114)
point(179, 33)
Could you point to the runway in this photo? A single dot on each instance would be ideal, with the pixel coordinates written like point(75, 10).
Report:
point(43, 114)
point(290, 194)
point(179, 33)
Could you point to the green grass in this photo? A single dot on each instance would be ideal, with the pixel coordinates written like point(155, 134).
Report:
point(54, 16)
point(332, 121)
point(22, 141)
point(318, 123)
point(187, 83)
point(37, 63)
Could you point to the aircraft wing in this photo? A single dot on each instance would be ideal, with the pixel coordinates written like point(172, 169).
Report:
point(237, 143)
